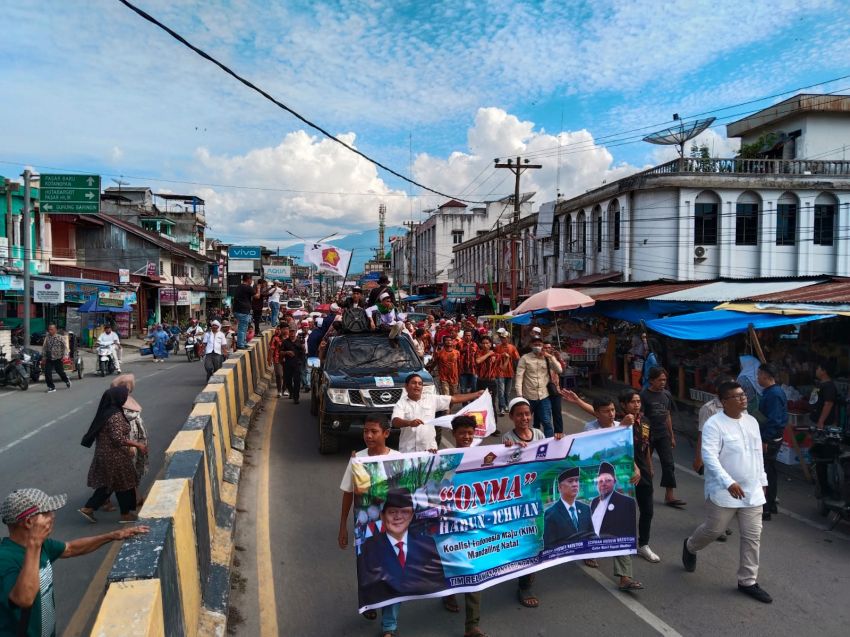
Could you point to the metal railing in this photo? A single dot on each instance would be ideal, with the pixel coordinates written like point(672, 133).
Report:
point(800, 167)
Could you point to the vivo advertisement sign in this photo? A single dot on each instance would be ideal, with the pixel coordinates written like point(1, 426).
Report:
point(244, 252)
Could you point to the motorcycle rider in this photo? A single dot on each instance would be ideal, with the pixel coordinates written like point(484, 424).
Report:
point(110, 339)
point(194, 330)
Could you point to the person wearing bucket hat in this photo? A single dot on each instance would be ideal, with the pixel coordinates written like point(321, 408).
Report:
point(27, 556)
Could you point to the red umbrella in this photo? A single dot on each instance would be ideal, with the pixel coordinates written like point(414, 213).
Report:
point(554, 300)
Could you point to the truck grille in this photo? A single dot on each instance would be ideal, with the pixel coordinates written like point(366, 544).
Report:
point(354, 397)
point(385, 396)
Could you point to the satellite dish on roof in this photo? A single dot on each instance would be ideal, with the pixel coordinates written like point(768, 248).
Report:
point(678, 134)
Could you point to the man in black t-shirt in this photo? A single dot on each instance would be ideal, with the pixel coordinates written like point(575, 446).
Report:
point(383, 286)
point(657, 404)
point(242, 310)
point(824, 397)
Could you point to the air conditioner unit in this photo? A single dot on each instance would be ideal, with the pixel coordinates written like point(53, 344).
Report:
point(700, 254)
point(576, 264)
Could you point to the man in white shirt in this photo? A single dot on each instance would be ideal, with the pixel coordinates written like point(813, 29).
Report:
point(734, 486)
point(415, 408)
point(110, 339)
point(274, 302)
point(215, 348)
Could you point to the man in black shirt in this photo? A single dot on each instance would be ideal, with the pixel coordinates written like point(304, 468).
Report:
point(824, 397)
point(657, 403)
point(355, 300)
point(242, 310)
point(383, 286)
point(293, 357)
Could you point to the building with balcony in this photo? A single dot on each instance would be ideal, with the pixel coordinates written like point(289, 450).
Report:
point(783, 213)
point(425, 256)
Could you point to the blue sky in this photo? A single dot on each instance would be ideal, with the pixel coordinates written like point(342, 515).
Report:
point(89, 86)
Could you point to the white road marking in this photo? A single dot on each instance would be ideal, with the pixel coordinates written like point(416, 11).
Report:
point(50, 423)
point(629, 601)
point(782, 510)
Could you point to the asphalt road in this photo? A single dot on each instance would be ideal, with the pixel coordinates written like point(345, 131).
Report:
point(289, 513)
point(40, 447)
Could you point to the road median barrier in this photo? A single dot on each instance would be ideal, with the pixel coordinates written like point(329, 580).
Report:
point(175, 580)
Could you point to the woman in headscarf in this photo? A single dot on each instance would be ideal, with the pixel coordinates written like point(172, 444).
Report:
point(159, 343)
point(112, 468)
point(138, 433)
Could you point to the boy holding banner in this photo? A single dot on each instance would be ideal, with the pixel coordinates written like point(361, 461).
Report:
point(463, 429)
point(376, 430)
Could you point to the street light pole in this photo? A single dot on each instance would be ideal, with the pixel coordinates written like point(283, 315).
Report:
point(27, 256)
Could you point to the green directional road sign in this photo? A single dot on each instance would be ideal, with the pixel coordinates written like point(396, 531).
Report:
point(78, 194)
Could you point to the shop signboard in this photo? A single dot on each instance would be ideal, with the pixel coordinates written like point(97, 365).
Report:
point(123, 275)
point(9, 282)
point(238, 266)
point(82, 292)
point(244, 252)
point(166, 296)
point(277, 272)
point(196, 298)
point(461, 291)
point(130, 297)
point(48, 291)
point(110, 299)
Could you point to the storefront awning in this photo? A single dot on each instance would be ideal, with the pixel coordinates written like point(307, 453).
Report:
point(92, 306)
point(719, 324)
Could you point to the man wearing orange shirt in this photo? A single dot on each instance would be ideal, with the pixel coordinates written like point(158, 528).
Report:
point(448, 367)
point(508, 357)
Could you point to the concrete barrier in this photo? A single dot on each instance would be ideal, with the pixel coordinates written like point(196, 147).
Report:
point(175, 580)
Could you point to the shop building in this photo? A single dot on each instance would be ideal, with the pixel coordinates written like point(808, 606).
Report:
point(783, 213)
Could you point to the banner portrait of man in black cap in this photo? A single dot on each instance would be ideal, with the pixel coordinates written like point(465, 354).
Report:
point(612, 513)
point(568, 519)
point(396, 562)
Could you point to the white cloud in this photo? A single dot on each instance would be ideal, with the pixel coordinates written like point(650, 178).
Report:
point(266, 206)
point(584, 164)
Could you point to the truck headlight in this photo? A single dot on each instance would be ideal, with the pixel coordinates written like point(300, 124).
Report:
point(429, 390)
point(338, 396)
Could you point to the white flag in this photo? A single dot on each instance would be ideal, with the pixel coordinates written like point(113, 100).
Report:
point(481, 409)
point(327, 257)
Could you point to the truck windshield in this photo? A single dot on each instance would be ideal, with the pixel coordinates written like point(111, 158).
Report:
point(369, 354)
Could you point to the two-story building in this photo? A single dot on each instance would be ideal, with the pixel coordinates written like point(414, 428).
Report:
point(783, 213)
point(424, 259)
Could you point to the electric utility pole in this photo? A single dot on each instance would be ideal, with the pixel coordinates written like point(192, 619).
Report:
point(517, 168)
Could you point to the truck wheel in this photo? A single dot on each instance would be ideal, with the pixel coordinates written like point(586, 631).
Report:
point(328, 443)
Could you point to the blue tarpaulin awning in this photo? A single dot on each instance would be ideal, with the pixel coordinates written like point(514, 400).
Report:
point(718, 324)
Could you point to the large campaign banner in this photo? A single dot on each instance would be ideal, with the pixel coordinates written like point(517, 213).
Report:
point(462, 520)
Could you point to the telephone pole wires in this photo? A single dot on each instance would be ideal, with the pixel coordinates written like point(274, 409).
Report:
point(517, 168)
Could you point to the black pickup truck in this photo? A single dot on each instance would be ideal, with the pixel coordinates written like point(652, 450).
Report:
point(361, 374)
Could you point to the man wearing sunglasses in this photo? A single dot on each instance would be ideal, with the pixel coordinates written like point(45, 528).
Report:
point(734, 487)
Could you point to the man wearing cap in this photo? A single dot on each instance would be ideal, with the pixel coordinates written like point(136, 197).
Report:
point(612, 513)
point(384, 315)
point(383, 286)
point(398, 561)
point(532, 379)
point(355, 300)
point(567, 520)
point(215, 348)
point(27, 605)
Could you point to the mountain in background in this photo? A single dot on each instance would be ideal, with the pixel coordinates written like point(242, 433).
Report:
point(363, 244)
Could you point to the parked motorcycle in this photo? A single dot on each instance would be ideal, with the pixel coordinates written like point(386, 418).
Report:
point(35, 363)
point(15, 371)
point(105, 364)
point(831, 461)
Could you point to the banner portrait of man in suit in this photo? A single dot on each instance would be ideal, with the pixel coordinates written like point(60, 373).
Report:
point(567, 520)
point(397, 562)
point(612, 513)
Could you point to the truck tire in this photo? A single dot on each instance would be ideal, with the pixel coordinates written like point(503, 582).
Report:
point(328, 442)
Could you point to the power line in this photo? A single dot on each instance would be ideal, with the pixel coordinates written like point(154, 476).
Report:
point(280, 104)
